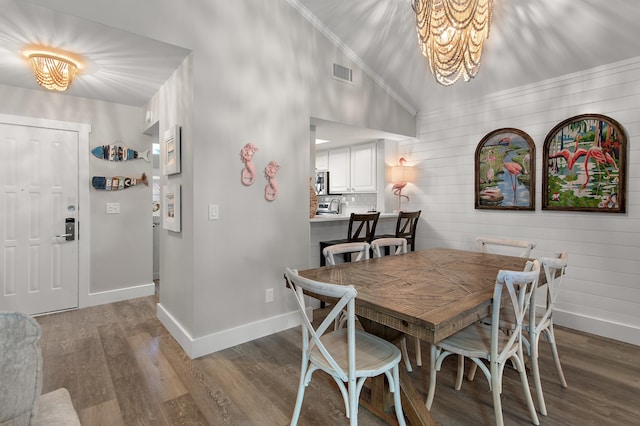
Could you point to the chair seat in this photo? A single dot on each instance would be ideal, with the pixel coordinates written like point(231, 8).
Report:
point(373, 354)
point(473, 341)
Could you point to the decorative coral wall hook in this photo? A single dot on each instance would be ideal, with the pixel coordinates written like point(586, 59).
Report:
point(249, 171)
point(271, 190)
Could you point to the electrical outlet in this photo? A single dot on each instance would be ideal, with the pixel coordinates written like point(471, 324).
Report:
point(268, 295)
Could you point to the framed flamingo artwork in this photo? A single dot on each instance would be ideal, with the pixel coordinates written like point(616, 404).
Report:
point(505, 171)
point(584, 165)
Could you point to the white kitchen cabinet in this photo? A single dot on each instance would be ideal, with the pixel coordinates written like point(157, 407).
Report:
point(363, 168)
point(339, 170)
point(353, 169)
point(322, 161)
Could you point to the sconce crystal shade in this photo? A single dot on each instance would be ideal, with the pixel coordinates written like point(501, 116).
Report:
point(53, 69)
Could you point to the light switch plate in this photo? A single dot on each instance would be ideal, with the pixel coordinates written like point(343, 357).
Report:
point(213, 212)
point(113, 208)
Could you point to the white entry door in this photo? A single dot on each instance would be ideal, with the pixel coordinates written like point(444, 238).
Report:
point(38, 218)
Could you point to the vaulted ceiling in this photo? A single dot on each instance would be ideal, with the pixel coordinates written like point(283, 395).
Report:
point(530, 41)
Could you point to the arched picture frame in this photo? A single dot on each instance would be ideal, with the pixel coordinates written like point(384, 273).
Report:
point(584, 165)
point(505, 171)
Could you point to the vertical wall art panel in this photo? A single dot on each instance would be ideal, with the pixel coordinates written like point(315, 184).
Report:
point(584, 165)
point(505, 171)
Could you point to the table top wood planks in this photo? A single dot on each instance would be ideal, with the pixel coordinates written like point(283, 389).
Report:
point(429, 294)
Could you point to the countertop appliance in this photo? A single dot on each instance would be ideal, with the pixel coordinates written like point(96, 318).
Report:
point(329, 208)
point(322, 183)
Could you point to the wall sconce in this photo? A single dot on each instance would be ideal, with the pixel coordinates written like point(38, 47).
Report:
point(54, 69)
point(399, 177)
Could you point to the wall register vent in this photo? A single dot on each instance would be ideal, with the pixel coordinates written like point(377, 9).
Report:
point(343, 73)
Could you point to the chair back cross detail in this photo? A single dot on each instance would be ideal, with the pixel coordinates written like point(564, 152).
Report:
point(406, 227)
point(359, 222)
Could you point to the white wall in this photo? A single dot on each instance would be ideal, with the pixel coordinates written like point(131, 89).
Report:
point(260, 71)
point(601, 292)
point(120, 246)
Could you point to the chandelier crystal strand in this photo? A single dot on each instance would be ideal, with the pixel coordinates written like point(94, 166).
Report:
point(53, 73)
point(451, 34)
point(53, 68)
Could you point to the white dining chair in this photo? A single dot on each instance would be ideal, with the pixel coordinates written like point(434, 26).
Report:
point(348, 355)
point(396, 246)
point(358, 251)
point(506, 246)
point(487, 343)
point(541, 322)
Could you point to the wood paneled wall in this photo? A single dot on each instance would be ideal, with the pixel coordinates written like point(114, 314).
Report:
point(601, 292)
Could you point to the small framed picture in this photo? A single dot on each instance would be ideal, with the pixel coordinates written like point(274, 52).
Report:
point(171, 207)
point(171, 148)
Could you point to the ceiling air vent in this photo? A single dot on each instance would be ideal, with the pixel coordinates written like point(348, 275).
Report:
point(343, 73)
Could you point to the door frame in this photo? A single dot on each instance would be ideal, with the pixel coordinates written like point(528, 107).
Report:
point(83, 130)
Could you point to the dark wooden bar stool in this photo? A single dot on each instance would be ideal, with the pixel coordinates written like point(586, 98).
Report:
point(406, 228)
point(362, 227)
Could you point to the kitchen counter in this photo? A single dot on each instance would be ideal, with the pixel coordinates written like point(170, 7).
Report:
point(339, 217)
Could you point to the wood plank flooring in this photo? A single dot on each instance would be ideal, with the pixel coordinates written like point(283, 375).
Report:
point(122, 367)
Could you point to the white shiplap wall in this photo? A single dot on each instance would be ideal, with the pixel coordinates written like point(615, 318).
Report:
point(601, 292)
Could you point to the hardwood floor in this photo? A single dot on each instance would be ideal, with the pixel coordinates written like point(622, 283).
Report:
point(122, 367)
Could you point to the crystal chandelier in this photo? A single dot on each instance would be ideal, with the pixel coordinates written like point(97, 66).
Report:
point(53, 69)
point(451, 34)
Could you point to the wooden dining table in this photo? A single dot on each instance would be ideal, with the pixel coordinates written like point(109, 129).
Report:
point(430, 294)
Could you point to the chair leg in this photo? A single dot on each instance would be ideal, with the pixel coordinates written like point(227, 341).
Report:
point(535, 369)
point(405, 354)
point(556, 358)
point(397, 402)
point(496, 387)
point(519, 361)
point(353, 403)
point(418, 353)
point(460, 373)
point(472, 372)
point(300, 397)
point(432, 376)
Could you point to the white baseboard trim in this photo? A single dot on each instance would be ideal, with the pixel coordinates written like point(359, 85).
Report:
point(612, 330)
point(215, 342)
point(110, 296)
